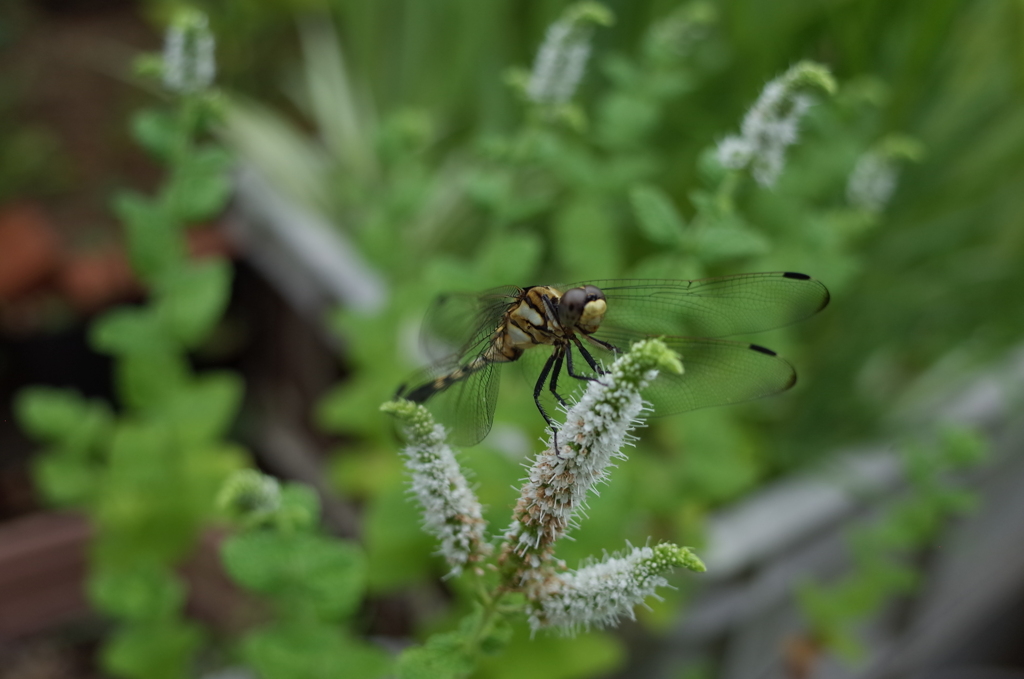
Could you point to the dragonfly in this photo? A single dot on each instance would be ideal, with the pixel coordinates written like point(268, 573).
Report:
point(584, 325)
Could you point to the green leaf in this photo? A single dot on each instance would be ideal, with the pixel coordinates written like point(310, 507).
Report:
point(138, 592)
point(202, 409)
point(147, 381)
point(624, 120)
point(589, 655)
point(130, 330)
point(444, 656)
point(310, 571)
point(158, 650)
point(657, 216)
point(191, 299)
point(154, 242)
point(963, 447)
point(155, 130)
point(300, 507)
point(155, 495)
point(199, 185)
point(66, 481)
point(63, 417)
point(305, 650)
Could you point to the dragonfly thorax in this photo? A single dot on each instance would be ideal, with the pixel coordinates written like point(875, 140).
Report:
point(546, 316)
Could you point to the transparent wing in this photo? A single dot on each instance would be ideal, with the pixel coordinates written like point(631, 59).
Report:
point(710, 307)
point(715, 372)
point(456, 322)
point(464, 406)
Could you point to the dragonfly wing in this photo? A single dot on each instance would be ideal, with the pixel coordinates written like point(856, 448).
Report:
point(456, 322)
point(467, 407)
point(715, 372)
point(464, 406)
point(711, 307)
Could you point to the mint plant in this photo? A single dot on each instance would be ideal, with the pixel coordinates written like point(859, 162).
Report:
point(313, 583)
point(146, 473)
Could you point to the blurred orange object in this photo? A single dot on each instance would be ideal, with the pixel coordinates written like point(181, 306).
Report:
point(30, 251)
point(92, 281)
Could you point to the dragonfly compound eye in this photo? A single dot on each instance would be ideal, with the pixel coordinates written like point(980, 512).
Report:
point(570, 306)
point(582, 308)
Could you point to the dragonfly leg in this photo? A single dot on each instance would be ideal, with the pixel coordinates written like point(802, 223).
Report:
point(558, 354)
point(554, 362)
point(588, 358)
point(540, 387)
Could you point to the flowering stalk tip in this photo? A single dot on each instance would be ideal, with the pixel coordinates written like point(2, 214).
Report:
point(451, 511)
point(189, 64)
point(249, 496)
point(599, 594)
point(772, 123)
point(874, 178)
point(562, 57)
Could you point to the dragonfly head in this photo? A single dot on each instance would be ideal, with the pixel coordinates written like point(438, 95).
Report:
point(582, 308)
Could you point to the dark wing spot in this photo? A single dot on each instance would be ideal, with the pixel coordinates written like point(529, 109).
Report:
point(763, 350)
point(798, 276)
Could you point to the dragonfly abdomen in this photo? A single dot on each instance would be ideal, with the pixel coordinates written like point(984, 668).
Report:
point(492, 355)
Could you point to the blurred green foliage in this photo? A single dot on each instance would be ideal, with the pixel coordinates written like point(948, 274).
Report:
point(446, 182)
point(313, 583)
point(147, 476)
point(405, 123)
point(882, 568)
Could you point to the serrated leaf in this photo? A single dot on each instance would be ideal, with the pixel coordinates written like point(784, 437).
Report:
point(656, 214)
point(300, 569)
point(63, 417)
point(199, 185)
point(154, 242)
point(191, 299)
point(442, 657)
point(138, 592)
point(311, 651)
point(162, 650)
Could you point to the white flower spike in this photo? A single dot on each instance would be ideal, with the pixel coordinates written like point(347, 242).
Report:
point(562, 57)
point(596, 428)
point(189, 63)
point(875, 176)
point(772, 123)
point(451, 511)
point(599, 594)
point(559, 483)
